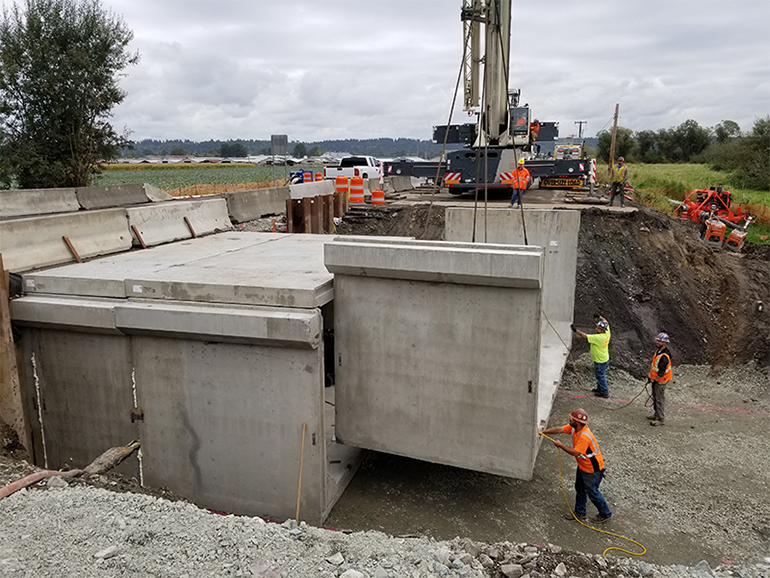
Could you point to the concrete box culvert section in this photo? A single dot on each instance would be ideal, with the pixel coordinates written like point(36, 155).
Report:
point(452, 352)
point(217, 385)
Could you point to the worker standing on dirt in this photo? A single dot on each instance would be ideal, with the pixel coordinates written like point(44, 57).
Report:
point(619, 181)
point(600, 354)
point(519, 181)
point(590, 470)
point(660, 375)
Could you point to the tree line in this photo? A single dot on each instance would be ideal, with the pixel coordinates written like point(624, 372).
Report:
point(723, 147)
point(377, 147)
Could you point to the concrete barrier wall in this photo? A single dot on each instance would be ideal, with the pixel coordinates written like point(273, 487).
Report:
point(35, 242)
point(314, 189)
point(16, 203)
point(438, 370)
point(249, 205)
point(119, 196)
point(165, 222)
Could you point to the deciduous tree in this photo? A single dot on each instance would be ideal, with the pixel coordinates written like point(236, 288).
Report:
point(59, 66)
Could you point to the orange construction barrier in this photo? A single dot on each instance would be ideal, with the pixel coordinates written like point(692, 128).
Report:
point(341, 185)
point(307, 177)
point(319, 176)
point(378, 197)
point(356, 190)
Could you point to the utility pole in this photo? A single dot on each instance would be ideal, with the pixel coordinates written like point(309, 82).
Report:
point(580, 124)
point(612, 143)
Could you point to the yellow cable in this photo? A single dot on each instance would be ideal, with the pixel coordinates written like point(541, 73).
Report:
point(561, 479)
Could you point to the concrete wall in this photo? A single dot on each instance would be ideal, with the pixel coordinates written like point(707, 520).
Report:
point(222, 394)
point(17, 203)
point(555, 231)
point(314, 189)
point(441, 366)
point(165, 222)
point(37, 241)
point(249, 205)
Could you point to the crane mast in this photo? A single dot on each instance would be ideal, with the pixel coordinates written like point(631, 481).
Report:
point(494, 104)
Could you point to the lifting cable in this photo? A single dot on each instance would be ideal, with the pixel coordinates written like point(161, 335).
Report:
point(564, 493)
point(446, 136)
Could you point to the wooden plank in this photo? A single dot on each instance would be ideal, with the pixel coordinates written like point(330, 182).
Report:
point(138, 236)
point(289, 216)
point(189, 226)
point(72, 249)
point(307, 214)
point(328, 213)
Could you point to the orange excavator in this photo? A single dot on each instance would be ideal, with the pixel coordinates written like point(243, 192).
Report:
point(711, 208)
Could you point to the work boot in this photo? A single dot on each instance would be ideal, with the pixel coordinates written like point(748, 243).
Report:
point(651, 418)
point(656, 423)
point(599, 519)
point(600, 394)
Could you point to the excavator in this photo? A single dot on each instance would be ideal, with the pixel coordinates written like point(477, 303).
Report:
point(712, 209)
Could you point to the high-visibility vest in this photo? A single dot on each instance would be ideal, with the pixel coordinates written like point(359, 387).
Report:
point(519, 178)
point(619, 174)
point(654, 368)
point(592, 460)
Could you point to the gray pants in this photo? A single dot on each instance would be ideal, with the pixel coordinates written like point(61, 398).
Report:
point(618, 190)
point(659, 400)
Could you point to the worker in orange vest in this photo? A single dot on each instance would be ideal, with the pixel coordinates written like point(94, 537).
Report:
point(660, 375)
point(590, 470)
point(534, 129)
point(519, 181)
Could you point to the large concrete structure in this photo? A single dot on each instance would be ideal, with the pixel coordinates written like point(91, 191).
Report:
point(210, 351)
point(451, 352)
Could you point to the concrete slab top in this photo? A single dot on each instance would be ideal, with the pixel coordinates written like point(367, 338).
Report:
point(234, 267)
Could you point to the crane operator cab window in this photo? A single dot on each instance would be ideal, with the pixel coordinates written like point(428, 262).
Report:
point(520, 121)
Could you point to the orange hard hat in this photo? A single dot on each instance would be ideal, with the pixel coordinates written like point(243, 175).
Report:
point(579, 415)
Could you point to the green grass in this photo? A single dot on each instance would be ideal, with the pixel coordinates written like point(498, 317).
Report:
point(656, 184)
point(171, 177)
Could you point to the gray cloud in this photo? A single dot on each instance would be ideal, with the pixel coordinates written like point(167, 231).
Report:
point(354, 69)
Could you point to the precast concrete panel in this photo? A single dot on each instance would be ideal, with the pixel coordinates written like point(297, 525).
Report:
point(555, 231)
point(312, 189)
point(79, 391)
point(159, 223)
point(119, 195)
point(446, 372)
point(223, 424)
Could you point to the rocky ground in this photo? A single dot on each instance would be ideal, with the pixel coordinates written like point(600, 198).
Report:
point(695, 493)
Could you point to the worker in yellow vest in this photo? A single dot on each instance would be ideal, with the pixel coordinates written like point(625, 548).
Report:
point(619, 180)
point(519, 181)
point(660, 375)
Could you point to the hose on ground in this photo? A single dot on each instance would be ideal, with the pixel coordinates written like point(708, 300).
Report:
point(34, 478)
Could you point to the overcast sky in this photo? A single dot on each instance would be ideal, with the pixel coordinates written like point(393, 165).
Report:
point(327, 69)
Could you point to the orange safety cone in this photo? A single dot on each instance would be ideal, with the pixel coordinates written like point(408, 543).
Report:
point(356, 190)
point(378, 197)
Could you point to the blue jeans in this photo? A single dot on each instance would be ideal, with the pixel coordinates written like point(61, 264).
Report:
point(587, 486)
point(600, 371)
point(517, 195)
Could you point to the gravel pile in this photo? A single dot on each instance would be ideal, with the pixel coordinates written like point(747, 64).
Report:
point(78, 531)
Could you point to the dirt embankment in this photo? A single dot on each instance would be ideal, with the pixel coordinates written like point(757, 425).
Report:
point(647, 272)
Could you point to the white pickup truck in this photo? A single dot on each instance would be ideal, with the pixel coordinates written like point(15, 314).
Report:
point(364, 167)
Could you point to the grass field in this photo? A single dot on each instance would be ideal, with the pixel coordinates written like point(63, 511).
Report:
point(197, 179)
point(658, 185)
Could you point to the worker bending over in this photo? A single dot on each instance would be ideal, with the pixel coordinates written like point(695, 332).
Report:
point(660, 375)
point(590, 470)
